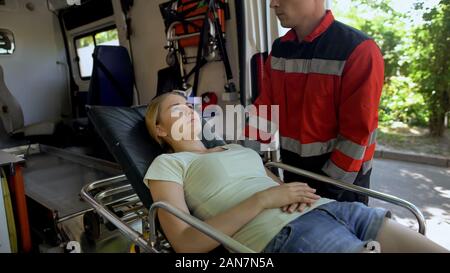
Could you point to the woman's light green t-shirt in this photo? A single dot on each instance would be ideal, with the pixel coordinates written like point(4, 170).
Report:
point(216, 182)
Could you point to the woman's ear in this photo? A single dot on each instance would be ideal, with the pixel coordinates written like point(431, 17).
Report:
point(160, 131)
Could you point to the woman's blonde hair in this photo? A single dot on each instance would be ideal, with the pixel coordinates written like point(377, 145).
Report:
point(152, 118)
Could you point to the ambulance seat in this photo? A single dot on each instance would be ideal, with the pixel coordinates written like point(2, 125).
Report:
point(11, 115)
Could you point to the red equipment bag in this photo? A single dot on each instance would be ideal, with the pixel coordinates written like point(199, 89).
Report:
point(196, 8)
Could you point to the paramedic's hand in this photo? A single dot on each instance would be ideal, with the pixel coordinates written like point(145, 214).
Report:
point(287, 195)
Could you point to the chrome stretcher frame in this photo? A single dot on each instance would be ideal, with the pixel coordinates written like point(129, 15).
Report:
point(158, 244)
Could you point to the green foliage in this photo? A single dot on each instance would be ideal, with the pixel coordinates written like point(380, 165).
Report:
point(100, 38)
point(430, 63)
point(106, 36)
point(417, 66)
point(387, 28)
point(398, 103)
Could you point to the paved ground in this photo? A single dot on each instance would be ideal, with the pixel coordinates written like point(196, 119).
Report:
point(427, 187)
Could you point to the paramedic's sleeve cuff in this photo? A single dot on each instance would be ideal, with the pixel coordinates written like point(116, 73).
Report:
point(333, 171)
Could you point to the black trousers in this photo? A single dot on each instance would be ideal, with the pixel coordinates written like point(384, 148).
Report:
point(315, 164)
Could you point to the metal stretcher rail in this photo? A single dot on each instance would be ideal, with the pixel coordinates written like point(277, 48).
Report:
point(170, 31)
point(226, 240)
point(132, 234)
point(95, 200)
point(95, 196)
point(350, 187)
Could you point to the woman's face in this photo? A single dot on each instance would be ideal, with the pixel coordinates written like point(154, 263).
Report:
point(178, 120)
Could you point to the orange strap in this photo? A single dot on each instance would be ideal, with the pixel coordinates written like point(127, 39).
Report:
point(21, 209)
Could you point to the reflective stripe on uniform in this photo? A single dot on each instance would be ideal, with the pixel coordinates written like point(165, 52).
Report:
point(307, 150)
point(306, 66)
point(367, 166)
point(337, 173)
point(352, 149)
point(373, 137)
point(344, 145)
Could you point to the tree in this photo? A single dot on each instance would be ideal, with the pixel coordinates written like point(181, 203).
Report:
point(430, 64)
point(387, 27)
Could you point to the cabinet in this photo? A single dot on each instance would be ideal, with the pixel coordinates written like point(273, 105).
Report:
point(12, 184)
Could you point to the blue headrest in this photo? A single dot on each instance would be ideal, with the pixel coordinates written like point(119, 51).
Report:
point(112, 80)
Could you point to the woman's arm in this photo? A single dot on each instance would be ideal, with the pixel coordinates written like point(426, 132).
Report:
point(185, 238)
point(291, 207)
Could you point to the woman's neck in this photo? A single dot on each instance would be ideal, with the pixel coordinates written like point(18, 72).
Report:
point(195, 146)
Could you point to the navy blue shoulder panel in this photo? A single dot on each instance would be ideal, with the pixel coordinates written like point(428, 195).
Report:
point(278, 46)
point(336, 43)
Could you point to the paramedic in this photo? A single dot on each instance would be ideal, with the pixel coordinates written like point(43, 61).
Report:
point(327, 79)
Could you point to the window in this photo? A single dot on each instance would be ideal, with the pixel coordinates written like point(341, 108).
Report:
point(85, 46)
point(7, 45)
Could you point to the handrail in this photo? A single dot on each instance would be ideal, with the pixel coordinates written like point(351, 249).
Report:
point(224, 239)
point(138, 238)
point(135, 236)
point(227, 241)
point(170, 35)
point(105, 182)
point(360, 190)
point(111, 192)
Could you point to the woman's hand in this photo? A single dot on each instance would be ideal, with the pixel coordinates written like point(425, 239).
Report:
point(285, 195)
point(295, 207)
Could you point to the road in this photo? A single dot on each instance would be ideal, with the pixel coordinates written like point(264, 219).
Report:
point(427, 187)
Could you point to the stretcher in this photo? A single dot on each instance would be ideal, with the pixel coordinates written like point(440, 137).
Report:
point(126, 136)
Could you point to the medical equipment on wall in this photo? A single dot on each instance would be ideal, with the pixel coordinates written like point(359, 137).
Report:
point(200, 24)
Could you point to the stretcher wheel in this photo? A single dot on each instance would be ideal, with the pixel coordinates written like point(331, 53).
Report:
point(91, 223)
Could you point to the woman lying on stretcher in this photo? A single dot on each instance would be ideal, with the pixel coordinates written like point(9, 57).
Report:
point(229, 188)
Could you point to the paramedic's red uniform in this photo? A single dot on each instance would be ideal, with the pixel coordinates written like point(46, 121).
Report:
point(328, 89)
